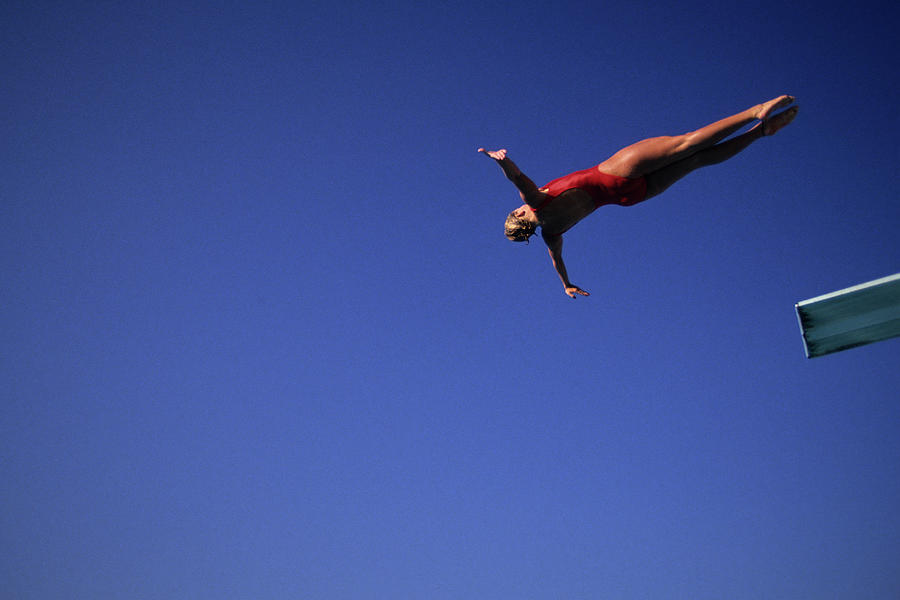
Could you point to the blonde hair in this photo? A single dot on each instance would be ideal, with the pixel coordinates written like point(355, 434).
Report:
point(518, 229)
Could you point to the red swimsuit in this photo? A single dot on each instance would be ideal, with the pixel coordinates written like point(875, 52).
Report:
point(602, 187)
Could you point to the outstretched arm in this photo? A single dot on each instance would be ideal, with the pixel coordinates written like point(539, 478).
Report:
point(527, 189)
point(554, 245)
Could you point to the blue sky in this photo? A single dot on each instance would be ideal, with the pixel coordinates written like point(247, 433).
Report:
point(263, 336)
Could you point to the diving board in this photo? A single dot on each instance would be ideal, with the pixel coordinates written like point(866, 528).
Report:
point(858, 315)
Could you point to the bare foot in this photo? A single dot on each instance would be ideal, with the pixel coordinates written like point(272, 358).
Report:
point(766, 108)
point(773, 124)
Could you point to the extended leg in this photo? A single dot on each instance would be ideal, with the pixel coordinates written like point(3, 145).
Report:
point(660, 180)
point(653, 154)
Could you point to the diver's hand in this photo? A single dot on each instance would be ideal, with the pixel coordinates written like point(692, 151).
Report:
point(497, 155)
point(571, 290)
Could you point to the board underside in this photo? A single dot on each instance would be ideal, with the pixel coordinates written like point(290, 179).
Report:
point(855, 316)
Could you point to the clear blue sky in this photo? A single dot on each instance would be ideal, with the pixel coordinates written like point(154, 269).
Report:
point(262, 336)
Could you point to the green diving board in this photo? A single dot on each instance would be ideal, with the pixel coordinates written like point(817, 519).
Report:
point(862, 314)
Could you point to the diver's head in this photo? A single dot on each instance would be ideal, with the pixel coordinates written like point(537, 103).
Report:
point(520, 225)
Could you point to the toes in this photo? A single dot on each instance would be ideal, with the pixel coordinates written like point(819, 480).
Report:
point(772, 105)
point(784, 101)
point(773, 124)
